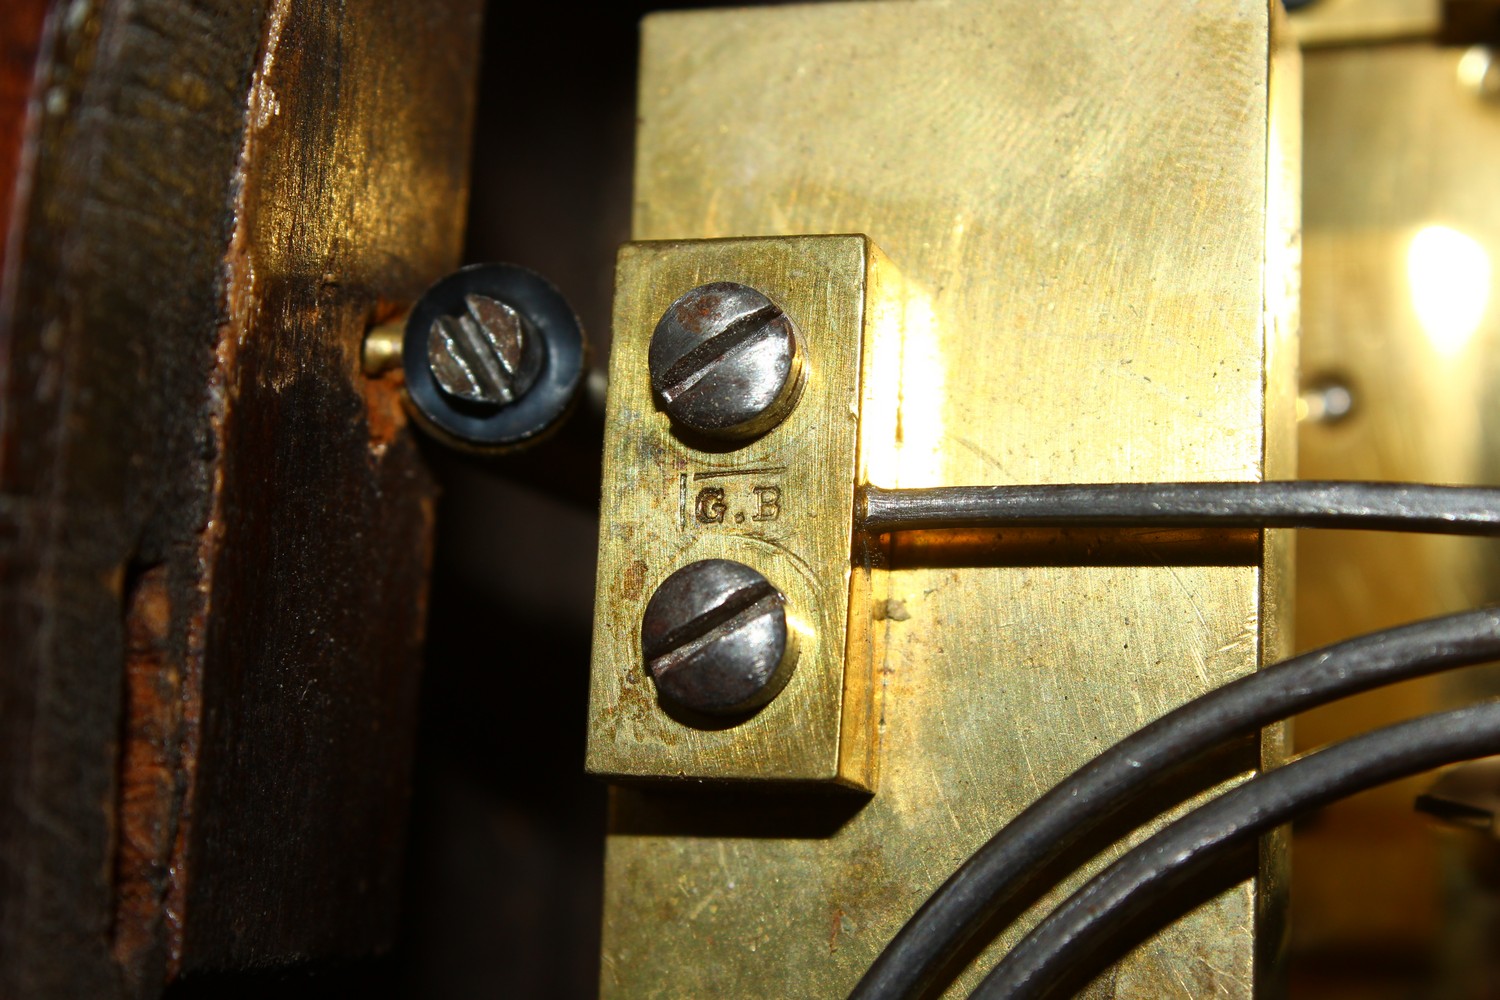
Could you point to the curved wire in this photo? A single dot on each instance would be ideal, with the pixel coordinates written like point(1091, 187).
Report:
point(1448, 510)
point(1070, 944)
point(1005, 871)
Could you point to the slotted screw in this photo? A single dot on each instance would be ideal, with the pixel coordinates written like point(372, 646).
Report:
point(486, 355)
point(726, 362)
point(715, 639)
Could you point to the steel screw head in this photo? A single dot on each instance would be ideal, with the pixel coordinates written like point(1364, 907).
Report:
point(715, 639)
point(487, 355)
point(493, 358)
point(726, 362)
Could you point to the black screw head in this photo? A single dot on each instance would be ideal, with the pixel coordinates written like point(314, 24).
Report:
point(726, 362)
point(494, 357)
point(715, 639)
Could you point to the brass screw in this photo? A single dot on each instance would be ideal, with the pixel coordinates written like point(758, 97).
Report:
point(381, 351)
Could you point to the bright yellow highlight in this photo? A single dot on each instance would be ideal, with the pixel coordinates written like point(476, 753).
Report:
point(1449, 274)
point(902, 423)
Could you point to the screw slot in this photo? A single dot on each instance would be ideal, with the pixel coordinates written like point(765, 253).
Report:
point(714, 639)
point(493, 357)
point(487, 355)
point(726, 362)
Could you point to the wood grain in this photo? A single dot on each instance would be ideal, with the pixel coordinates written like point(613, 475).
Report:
point(214, 534)
point(21, 24)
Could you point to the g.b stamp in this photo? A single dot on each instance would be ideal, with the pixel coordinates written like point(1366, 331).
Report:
point(740, 497)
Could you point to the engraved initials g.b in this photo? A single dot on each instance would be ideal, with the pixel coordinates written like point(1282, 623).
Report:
point(712, 505)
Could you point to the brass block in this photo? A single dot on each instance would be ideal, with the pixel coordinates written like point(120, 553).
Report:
point(782, 503)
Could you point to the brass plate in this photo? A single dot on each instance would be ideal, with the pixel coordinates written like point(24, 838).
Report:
point(1346, 22)
point(1402, 304)
point(783, 503)
point(1080, 205)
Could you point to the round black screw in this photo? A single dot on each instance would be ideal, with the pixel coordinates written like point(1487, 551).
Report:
point(493, 356)
point(488, 354)
point(726, 362)
point(715, 639)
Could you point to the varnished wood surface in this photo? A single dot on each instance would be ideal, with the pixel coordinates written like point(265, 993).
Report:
point(214, 536)
point(21, 24)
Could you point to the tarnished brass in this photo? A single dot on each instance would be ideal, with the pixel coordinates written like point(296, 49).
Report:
point(782, 504)
point(381, 351)
point(1093, 213)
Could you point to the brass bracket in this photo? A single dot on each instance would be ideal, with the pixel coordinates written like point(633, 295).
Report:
point(782, 504)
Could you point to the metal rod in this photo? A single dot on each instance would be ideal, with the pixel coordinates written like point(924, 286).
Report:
point(1447, 510)
point(1017, 866)
point(1074, 941)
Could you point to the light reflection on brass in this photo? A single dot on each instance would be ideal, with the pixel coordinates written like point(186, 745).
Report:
point(1479, 72)
point(1449, 276)
point(902, 433)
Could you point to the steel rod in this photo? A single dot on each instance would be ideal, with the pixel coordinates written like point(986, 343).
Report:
point(1449, 510)
point(1005, 871)
point(1072, 943)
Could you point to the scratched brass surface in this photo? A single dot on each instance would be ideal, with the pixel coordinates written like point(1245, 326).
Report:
point(783, 503)
point(1402, 235)
point(1077, 196)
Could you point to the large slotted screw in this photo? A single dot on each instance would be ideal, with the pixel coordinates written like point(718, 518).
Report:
point(715, 639)
point(486, 355)
point(726, 362)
